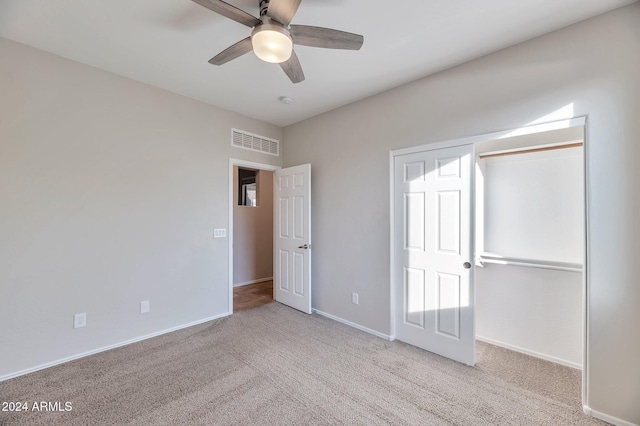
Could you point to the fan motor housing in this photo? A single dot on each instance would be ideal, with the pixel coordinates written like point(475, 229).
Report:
point(264, 5)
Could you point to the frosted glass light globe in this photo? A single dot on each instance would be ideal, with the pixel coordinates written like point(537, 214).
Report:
point(271, 43)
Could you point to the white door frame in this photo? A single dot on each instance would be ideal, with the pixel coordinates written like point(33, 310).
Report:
point(252, 165)
point(538, 128)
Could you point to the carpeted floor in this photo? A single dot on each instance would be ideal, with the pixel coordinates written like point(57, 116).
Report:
point(274, 365)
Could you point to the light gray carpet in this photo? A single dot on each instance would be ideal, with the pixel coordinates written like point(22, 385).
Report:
point(274, 365)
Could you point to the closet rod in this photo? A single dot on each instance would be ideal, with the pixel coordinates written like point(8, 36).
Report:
point(531, 150)
point(530, 263)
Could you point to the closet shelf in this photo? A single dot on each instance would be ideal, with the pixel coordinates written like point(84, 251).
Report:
point(496, 259)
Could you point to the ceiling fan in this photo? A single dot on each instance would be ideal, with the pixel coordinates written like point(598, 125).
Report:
point(272, 37)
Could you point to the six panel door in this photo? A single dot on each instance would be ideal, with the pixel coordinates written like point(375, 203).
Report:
point(434, 297)
point(292, 281)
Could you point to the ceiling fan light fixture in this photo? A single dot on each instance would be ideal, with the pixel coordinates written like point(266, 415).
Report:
point(271, 43)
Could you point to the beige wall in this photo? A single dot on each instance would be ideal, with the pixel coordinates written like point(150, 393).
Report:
point(253, 233)
point(590, 68)
point(109, 193)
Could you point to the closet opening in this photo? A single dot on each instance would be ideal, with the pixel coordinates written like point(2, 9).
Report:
point(530, 244)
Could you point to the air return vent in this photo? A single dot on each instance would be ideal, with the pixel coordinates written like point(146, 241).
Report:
point(246, 140)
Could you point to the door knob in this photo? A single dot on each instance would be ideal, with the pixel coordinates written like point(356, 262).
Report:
point(306, 246)
point(466, 265)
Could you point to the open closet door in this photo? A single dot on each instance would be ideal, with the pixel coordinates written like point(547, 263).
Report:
point(292, 196)
point(433, 271)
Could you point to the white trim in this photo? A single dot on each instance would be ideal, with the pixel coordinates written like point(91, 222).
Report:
point(392, 236)
point(586, 270)
point(554, 125)
point(478, 206)
point(353, 324)
point(607, 418)
point(109, 347)
point(252, 165)
point(530, 352)
point(259, 280)
point(434, 146)
point(472, 249)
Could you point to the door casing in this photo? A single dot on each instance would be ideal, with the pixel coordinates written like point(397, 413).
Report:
point(257, 166)
point(252, 165)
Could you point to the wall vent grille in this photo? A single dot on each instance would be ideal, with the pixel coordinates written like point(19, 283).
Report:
point(246, 140)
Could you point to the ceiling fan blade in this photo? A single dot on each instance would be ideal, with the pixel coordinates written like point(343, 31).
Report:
point(306, 35)
point(293, 69)
point(282, 10)
point(231, 12)
point(232, 52)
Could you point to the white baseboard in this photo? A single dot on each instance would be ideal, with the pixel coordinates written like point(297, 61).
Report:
point(260, 280)
point(106, 348)
point(607, 418)
point(560, 361)
point(353, 324)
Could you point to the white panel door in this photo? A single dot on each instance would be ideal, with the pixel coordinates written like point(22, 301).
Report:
point(433, 272)
point(292, 285)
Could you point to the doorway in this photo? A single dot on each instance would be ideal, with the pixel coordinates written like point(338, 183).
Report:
point(251, 258)
point(418, 304)
point(291, 231)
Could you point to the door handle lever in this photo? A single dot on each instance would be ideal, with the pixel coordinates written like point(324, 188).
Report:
point(306, 246)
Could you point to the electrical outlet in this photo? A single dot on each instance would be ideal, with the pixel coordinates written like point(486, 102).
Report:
point(354, 298)
point(79, 320)
point(144, 307)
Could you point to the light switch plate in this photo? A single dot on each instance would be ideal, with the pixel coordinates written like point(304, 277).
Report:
point(219, 233)
point(144, 307)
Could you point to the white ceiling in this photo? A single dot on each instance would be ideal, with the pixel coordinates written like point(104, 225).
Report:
point(167, 43)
